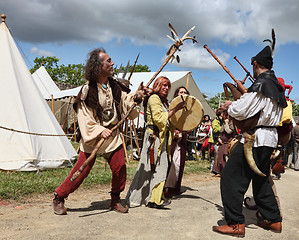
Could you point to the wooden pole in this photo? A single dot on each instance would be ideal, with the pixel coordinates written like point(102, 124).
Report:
point(170, 54)
point(136, 138)
point(125, 148)
point(126, 130)
point(75, 127)
point(196, 156)
point(187, 81)
point(66, 114)
point(131, 139)
point(52, 100)
point(138, 119)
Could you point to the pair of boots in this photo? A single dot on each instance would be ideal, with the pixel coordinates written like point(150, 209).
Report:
point(60, 209)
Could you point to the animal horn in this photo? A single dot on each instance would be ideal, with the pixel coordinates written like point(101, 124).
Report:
point(248, 144)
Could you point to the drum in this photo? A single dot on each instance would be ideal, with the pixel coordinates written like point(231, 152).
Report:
point(188, 118)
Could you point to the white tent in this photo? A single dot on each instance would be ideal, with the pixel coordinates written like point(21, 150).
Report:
point(26, 121)
point(58, 100)
point(48, 87)
point(177, 78)
point(45, 83)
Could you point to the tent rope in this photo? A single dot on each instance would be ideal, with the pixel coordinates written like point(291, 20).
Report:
point(38, 134)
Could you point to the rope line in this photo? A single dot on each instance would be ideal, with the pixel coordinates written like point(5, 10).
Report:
point(38, 134)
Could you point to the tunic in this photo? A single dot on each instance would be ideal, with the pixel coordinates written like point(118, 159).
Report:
point(90, 125)
point(226, 135)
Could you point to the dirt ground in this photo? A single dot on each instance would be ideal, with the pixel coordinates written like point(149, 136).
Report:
point(191, 216)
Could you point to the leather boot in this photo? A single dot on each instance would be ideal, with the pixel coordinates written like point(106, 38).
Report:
point(115, 204)
point(58, 205)
point(269, 225)
point(233, 229)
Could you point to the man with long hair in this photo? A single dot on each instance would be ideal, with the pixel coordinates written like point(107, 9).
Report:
point(99, 106)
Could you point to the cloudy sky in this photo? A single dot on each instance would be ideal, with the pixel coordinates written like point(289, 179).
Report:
point(69, 29)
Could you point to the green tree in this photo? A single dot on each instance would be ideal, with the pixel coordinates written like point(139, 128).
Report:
point(138, 68)
point(214, 101)
point(71, 73)
point(295, 109)
point(50, 64)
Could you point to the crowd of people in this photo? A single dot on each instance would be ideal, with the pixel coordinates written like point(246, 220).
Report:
point(101, 103)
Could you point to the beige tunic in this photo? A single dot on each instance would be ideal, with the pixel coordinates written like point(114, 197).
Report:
point(90, 126)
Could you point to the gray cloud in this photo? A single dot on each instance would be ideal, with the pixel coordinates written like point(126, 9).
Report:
point(40, 52)
point(145, 22)
point(196, 57)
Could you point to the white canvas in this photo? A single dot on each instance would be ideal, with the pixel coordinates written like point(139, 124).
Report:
point(23, 108)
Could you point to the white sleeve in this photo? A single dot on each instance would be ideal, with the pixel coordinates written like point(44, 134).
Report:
point(247, 106)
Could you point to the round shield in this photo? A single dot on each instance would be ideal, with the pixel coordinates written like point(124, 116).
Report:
point(189, 117)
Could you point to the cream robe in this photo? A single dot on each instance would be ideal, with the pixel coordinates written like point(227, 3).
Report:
point(90, 126)
point(146, 185)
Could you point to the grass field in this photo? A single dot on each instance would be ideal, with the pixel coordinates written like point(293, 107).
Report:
point(17, 185)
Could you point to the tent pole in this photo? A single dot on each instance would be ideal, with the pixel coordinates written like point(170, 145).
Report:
point(137, 126)
point(66, 114)
point(131, 139)
point(125, 148)
point(187, 81)
point(52, 103)
point(196, 156)
point(136, 138)
point(126, 130)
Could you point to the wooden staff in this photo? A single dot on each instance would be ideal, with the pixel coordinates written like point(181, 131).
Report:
point(170, 52)
point(247, 72)
point(126, 130)
point(239, 84)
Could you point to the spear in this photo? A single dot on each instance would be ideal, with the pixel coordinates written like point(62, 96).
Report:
point(174, 47)
point(126, 70)
point(131, 73)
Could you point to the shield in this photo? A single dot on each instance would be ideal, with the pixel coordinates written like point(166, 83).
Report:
point(189, 117)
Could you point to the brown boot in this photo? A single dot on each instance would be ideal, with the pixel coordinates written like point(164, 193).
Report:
point(237, 230)
point(115, 204)
point(269, 225)
point(58, 205)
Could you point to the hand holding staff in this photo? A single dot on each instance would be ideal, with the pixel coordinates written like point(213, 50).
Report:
point(139, 94)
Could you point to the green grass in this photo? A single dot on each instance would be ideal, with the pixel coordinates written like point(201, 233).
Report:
point(19, 185)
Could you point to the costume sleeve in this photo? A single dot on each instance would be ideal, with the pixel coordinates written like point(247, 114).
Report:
point(247, 106)
point(159, 117)
point(90, 128)
point(227, 127)
point(127, 101)
point(216, 125)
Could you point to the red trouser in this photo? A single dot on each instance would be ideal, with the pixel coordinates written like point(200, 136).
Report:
point(117, 165)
